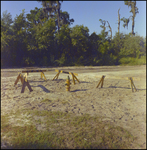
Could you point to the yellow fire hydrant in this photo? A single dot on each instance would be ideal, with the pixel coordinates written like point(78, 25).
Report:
point(68, 84)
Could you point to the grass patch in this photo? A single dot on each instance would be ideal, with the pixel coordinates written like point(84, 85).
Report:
point(133, 61)
point(46, 100)
point(63, 130)
point(64, 102)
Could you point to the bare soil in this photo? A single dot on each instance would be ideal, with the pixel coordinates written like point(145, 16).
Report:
point(115, 101)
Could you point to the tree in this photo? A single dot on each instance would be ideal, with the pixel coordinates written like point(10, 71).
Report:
point(104, 28)
point(134, 11)
point(94, 45)
point(80, 44)
point(20, 38)
point(35, 17)
point(7, 37)
point(131, 46)
point(64, 46)
point(6, 18)
point(53, 8)
point(45, 39)
point(104, 45)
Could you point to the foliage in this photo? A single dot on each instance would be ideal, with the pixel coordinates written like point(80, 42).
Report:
point(133, 61)
point(80, 43)
point(6, 40)
point(43, 37)
point(64, 44)
point(131, 46)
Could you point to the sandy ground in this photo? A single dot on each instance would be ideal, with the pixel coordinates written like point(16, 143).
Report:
point(115, 101)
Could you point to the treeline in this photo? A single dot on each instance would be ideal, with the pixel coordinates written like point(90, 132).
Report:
point(36, 39)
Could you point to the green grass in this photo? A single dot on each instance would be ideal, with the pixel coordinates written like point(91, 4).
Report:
point(46, 100)
point(133, 61)
point(63, 130)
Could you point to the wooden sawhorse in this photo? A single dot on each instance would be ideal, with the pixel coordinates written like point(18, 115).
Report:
point(61, 71)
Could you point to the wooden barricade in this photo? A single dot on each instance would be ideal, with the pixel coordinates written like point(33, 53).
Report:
point(42, 72)
point(61, 71)
point(130, 78)
point(24, 82)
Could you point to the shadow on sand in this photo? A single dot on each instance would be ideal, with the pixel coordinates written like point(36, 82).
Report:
point(44, 88)
point(123, 88)
point(79, 90)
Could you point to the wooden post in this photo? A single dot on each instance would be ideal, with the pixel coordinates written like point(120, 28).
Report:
point(26, 83)
point(132, 84)
point(68, 84)
point(101, 81)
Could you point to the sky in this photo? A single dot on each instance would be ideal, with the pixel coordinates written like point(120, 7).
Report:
point(88, 13)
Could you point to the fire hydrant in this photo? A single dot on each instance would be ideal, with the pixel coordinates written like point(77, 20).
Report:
point(68, 84)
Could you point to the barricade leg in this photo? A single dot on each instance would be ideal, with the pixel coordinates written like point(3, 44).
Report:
point(19, 77)
point(43, 75)
point(101, 81)
point(132, 84)
point(26, 83)
point(73, 78)
point(56, 76)
point(76, 78)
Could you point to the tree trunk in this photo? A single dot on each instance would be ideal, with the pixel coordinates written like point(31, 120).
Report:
point(118, 20)
point(58, 16)
point(58, 20)
point(110, 29)
point(133, 25)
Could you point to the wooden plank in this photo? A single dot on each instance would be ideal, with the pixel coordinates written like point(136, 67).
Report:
point(73, 73)
point(57, 70)
point(62, 71)
point(27, 71)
